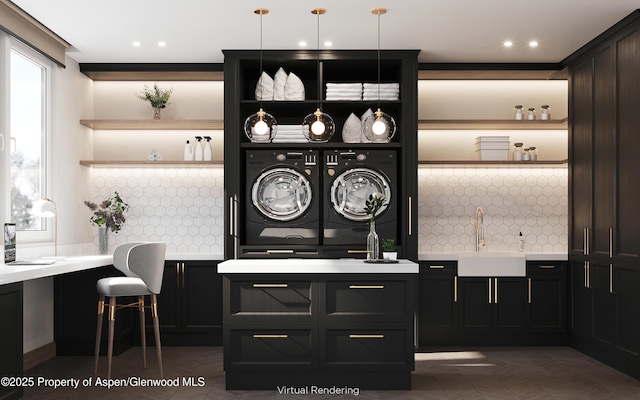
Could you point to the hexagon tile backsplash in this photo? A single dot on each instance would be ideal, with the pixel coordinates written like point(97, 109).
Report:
point(183, 207)
point(533, 201)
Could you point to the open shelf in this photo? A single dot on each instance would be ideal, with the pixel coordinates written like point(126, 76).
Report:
point(482, 164)
point(153, 124)
point(151, 164)
point(487, 124)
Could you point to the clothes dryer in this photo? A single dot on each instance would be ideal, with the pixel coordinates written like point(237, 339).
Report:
point(282, 197)
point(349, 178)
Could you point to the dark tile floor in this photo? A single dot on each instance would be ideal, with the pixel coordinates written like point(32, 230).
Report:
point(495, 373)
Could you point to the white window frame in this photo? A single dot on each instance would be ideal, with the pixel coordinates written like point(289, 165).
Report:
point(45, 235)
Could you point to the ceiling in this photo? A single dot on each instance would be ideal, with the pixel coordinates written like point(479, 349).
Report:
point(447, 31)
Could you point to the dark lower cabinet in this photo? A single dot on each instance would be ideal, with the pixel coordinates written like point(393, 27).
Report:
point(75, 308)
point(438, 304)
point(11, 338)
point(580, 302)
point(492, 304)
point(546, 297)
point(189, 305)
point(330, 329)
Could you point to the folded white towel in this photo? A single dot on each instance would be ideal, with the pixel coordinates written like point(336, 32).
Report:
point(382, 85)
point(345, 95)
point(344, 90)
point(375, 97)
point(344, 85)
point(381, 90)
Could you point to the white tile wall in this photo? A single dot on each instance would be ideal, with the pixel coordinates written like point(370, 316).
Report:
point(531, 200)
point(183, 207)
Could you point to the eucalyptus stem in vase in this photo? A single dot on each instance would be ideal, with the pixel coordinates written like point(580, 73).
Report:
point(159, 98)
point(372, 206)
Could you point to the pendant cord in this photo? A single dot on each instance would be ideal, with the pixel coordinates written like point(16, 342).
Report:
point(260, 72)
point(318, 60)
point(378, 61)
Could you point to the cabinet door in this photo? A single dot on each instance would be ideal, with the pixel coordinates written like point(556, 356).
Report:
point(11, 337)
point(438, 306)
point(603, 302)
point(201, 289)
point(546, 298)
point(627, 230)
point(509, 304)
point(475, 299)
point(581, 306)
point(626, 281)
point(580, 156)
point(168, 301)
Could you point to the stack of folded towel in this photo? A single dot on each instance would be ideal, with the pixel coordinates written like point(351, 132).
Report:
point(388, 91)
point(344, 91)
point(289, 134)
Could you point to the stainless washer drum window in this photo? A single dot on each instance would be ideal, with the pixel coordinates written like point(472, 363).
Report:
point(351, 189)
point(282, 194)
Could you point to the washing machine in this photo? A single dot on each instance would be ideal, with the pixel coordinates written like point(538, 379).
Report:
point(349, 178)
point(282, 197)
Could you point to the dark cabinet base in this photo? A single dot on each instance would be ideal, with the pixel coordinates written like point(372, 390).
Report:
point(315, 383)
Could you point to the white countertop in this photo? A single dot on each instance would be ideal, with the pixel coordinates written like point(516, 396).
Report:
point(527, 256)
point(315, 266)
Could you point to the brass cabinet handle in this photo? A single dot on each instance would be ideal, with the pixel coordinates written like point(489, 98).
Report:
point(547, 267)
point(436, 266)
point(183, 275)
point(610, 242)
point(280, 251)
point(358, 336)
point(584, 242)
point(265, 336)
point(584, 267)
point(589, 274)
point(409, 214)
point(231, 213)
point(611, 278)
point(495, 298)
point(588, 244)
point(366, 286)
point(489, 290)
point(270, 285)
point(178, 275)
point(455, 289)
point(529, 290)
point(352, 251)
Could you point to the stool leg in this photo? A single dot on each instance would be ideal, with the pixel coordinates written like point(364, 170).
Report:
point(112, 322)
point(143, 334)
point(99, 331)
point(156, 328)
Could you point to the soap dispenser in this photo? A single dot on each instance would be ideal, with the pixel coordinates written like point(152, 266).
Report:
point(188, 152)
point(198, 153)
point(208, 151)
point(520, 242)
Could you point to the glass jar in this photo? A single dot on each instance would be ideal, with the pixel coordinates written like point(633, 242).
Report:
point(531, 115)
point(518, 114)
point(518, 152)
point(545, 113)
point(526, 156)
point(533, 153)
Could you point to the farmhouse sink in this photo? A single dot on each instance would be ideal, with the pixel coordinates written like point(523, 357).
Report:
point(491, 264)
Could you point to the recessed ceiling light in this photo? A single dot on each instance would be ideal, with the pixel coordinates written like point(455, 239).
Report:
point(162, 44)
point(508, 43)
point(533, 43)
point(302, 44)
point(328, 44)
point(136, 44)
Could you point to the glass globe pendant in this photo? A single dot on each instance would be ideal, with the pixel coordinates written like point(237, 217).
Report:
point(379, 127)
point(318, 127)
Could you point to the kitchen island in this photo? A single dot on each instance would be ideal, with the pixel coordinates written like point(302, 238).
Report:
point(300, 324)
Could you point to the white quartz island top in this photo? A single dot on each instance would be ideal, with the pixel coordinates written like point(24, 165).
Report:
point(315, 266)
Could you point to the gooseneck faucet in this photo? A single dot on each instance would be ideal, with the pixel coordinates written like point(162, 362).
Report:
point(479, 229)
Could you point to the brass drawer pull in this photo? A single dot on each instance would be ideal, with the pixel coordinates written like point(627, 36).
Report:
point(264, 336)
point(529, 290)
point(436, 266)
point(356, 251)
point(270, 285)
point(547, 267)
point(455, 289)
point(366, 286)
point(280, 251)
point(356, 336)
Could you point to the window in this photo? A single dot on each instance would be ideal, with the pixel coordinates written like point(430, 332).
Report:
point(28, 99)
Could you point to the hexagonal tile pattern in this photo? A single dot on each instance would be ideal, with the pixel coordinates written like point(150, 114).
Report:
point(175, 206)
point(533, 201)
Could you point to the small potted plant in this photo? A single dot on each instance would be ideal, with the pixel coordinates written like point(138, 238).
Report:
point(159, 98)
point(389, 252)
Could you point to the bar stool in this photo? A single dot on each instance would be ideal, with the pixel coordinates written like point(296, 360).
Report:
point(143, 267)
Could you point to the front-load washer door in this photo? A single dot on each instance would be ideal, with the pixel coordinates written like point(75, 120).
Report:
point(282, 194)
point(351, 189)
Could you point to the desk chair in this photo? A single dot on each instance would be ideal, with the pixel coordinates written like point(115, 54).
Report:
point(143, 267)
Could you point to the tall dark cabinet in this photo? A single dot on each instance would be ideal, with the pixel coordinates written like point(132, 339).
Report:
point(11, 337)
point(315, 69)
point(604, 85)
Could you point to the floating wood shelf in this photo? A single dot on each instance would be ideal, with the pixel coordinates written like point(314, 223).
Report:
point(482, 164)
point(151, 164)
point(499, 124)
point(153, 124)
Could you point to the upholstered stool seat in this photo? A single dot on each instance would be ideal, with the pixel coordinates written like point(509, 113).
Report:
point(143, 267)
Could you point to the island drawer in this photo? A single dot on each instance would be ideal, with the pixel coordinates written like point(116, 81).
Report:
point(372, 297)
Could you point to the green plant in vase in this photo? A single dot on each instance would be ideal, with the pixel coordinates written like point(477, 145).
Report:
point(159, 98)
point(372, 206)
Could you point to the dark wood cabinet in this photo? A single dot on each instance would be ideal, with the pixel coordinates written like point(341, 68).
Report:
point(580, 303)
point(492, 304)
point(189, 305)
point(11, 338)
point(546, 297)
point(311, 329)
point(438, 305)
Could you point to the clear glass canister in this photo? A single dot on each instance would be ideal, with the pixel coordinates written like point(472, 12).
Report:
point(526, 156)
point(517, 113)
point(533, 153)
point(518, 152)
point(545, 112)
point(531, 115)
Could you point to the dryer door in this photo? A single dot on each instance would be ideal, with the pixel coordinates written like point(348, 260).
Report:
point(282, 194)
point(351, 189)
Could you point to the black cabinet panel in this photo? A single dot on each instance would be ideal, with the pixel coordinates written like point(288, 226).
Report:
point(546, 304)
point(11, 338)
point(509, 305)
point(475, 304)
point(626, 281)
point(603, 302)
point(581, 303)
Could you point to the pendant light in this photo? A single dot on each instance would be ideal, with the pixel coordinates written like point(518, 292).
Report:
point(379, 127)
point(318, 126)
point(261, 127)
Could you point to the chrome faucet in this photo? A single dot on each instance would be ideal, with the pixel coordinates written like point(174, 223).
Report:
point(479, 229)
